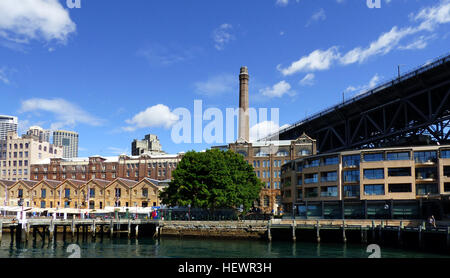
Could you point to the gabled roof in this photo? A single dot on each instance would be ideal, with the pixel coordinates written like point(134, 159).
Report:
point(7, 183)
point(128, 183)
point(147, 180)
point(51, 183)
point(75, 183)
point(27, 183)
point(99, 182)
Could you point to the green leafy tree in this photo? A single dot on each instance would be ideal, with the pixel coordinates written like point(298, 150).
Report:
point(212, 179)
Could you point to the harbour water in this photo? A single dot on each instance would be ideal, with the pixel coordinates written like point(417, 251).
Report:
point(194, 248)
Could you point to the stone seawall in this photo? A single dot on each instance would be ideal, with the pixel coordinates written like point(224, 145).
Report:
point(215, 229)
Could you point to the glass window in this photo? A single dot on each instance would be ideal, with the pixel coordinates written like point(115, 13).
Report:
point(351, 176)
point(445, 154)
point(427, 188)
point(329, 191)
point(43, 193)
point(373, 157)
point(351, 160)
point(398, 156)
point(423, 157)
point(312, 163)
point(91, 192)
point(328, 176)
point(331, 160)
point(374, 189)
point(311, 178)
point(311, 192)
point(67, 192)
point(351, 191)
point(373, 174)
point(399, 172)
point(399, 187)
point(427, 173)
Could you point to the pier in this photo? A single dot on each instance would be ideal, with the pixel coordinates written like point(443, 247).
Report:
point(31, 229)
point(397, 232)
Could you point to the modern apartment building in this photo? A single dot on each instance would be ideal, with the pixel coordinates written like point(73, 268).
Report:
point(375, 183)
point(68, 140)
point(157, 167)
point(19, 153)
point(7, 124)
point(76, 194)
point(150, 144)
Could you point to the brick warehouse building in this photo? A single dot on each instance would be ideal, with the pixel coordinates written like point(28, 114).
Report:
point(158, 167)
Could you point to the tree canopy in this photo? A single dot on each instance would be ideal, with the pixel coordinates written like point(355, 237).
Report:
point(212, 179)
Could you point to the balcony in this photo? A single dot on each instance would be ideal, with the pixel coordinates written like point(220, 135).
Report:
point(310, 180)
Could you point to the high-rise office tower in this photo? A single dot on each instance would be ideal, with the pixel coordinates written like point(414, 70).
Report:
point(7, 124)
point(68, 140)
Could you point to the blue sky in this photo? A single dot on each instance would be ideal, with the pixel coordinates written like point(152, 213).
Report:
point(116, 70)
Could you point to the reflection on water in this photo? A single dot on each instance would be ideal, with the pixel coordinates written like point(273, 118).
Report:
point(191, 248)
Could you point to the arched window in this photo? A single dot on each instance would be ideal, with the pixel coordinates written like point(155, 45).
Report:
point(26, 145)
point(261, 153)
point(56, 152)
point(304, 152)
point(45, 148)
point(282, 153)
point(15, 146)
point(40, 147)
point(266, 201)
point(21, 146)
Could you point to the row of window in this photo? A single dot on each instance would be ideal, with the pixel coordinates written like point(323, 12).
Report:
point(15, 163)
point(371, 189)
point(15, 172)
point(67, 191)
point(266, 163)
point(354, 160)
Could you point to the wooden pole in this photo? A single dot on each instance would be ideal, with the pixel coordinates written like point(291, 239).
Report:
point(293, 231)
point(420, 236)
point(93, 228)
point(129, 228)
point(1, 230)
point(111, 229)
point(344, 238)
point(137, 230)
point(269, 232)
point(318, 231)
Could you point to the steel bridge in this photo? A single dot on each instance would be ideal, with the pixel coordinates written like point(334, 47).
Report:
point(413, 109)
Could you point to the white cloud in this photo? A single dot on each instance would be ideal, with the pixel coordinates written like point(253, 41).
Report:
point(3, 77)
point(363, 88)
point(282, 2)
point(158, 54)
point(263, 129)
point(277, 90)
point(429, 19)
point(216, 85)
point(155, 116)
point(308, 80)
point(419, 43)
point(68, 114)
point(24, 20)
point(316, 60)
point(319, 15)
point(222, 36)
point(383, 45)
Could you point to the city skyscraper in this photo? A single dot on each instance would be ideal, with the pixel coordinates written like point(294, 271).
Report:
point(7, 124)
point(68, 140)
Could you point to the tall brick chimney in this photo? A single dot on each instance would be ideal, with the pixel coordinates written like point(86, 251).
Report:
point(243, 106)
